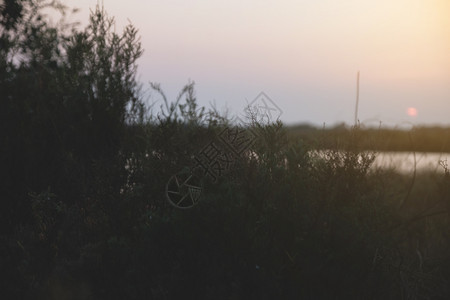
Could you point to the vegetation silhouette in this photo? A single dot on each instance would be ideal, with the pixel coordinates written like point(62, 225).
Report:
point(84, 164)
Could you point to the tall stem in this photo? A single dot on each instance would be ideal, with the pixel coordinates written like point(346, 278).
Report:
point(357, 99)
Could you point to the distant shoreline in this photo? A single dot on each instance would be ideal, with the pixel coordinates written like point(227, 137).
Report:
point(419, 139)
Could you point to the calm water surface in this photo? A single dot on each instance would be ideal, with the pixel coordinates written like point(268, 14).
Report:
point(405, 161)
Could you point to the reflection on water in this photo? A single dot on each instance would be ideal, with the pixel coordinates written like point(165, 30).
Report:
point(405, 161)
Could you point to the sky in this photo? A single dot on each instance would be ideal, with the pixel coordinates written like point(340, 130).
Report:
point(304, 55)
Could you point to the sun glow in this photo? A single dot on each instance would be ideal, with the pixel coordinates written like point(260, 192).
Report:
point(412, 111)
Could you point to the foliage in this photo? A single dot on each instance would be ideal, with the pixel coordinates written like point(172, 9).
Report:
point(84, 214)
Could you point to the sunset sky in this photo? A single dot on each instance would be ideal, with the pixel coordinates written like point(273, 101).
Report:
point(303, 54)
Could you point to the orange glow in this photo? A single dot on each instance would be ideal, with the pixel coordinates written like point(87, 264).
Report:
point(411, 111)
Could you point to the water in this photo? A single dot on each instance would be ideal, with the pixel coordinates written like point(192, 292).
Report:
point(404, 161)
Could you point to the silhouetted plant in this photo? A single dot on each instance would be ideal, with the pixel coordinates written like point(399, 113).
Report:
point(85, 165)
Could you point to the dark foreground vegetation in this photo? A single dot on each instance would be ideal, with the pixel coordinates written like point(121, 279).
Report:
point(84, 215)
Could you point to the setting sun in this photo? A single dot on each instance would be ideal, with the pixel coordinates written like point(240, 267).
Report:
point(412, 111)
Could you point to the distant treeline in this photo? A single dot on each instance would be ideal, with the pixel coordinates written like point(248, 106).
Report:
point(420, 139)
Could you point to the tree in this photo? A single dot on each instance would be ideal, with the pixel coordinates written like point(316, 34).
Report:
point(66, 98)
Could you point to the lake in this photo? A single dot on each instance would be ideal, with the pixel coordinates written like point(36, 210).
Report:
point(404, 161)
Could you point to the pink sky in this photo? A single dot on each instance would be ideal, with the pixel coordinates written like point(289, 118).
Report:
point(303, 54)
